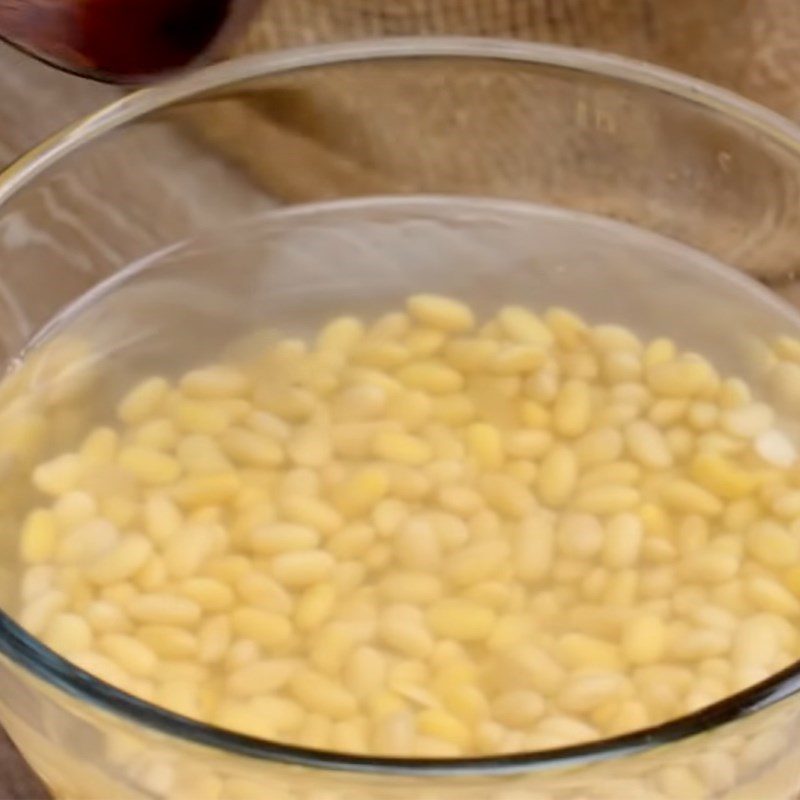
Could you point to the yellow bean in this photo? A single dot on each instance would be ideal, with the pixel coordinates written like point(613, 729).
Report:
point(207, 489)
point(60, 475)
point(585, 693)
point(201, 416)
point(106, 617)
point(252, 449)
point(214, 382)
point(608, 499)
point(515, 359)
point(535, 548)
point(341, 334)
point(442, 725)
point(579, 535)
point(599, 446)
point(573, 409)
point(620, 366)
point(646, 444)
point(747, 421)
point(168, 641)
point(38, 538)
point(164, 609)
point(121, 562)
point(614, 337)
point(260, 677)
point(358, 494)
point(311, 512)
point(73, 509)
point(518, 708)
point(772, 544)
point(711, 566)
point(578, 651)
point(697, 644)
point(507, 496)
point(431, 376)
point(687, 497)
point(721, 476)
point(68, 633)
point(210, 594)
point(88, 542)
point(267, 424)
point(776, 448)
point(359, 402)
point(300, 569)
point(380, 354)
point(461, 620)
point(557, 476)
point(668, 411)
point(424, 341)
point(445, 313)
point(623, 541)
point(644, 640)
point(188, 550)
point(365, 671)
point(264, 591)
point(283, 537)
point(682, 378)
point(264, 627)
point(755, 643)
point(465, 701)
point(352, 541)
point(485, 444)
point(322, 695)
point(470, 354)
point(770, 596)
point(612, 473)
point(129, 653)
point(213, 639)
point(521, 325)
point(568, 328)
point(99, 446)
point(315, 606)
point(477, 562)
point(401, 448)
point(143, 400)
point(406, 637)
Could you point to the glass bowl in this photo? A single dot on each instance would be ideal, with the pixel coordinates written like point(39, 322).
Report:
point(505, 170)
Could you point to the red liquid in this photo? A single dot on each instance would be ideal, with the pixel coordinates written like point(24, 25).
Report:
point(114, 39)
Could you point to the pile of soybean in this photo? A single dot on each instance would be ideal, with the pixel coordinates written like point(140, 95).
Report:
point(426, 536)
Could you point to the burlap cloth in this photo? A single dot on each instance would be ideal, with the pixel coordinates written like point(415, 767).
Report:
point(752, 46)
point(340, 133)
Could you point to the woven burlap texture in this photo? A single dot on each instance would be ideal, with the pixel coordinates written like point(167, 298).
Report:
point(321, 135)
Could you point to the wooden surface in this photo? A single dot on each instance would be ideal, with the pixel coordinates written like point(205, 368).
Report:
point(17, 782)
point(752, 46)
point(34, 102)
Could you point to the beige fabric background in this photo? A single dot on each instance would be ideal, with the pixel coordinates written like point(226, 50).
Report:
point(417, 128)
point(752, 46)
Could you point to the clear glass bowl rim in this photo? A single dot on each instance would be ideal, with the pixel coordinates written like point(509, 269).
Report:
point(35, 658)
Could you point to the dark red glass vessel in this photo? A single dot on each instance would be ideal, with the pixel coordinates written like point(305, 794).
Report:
point(115, 40)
